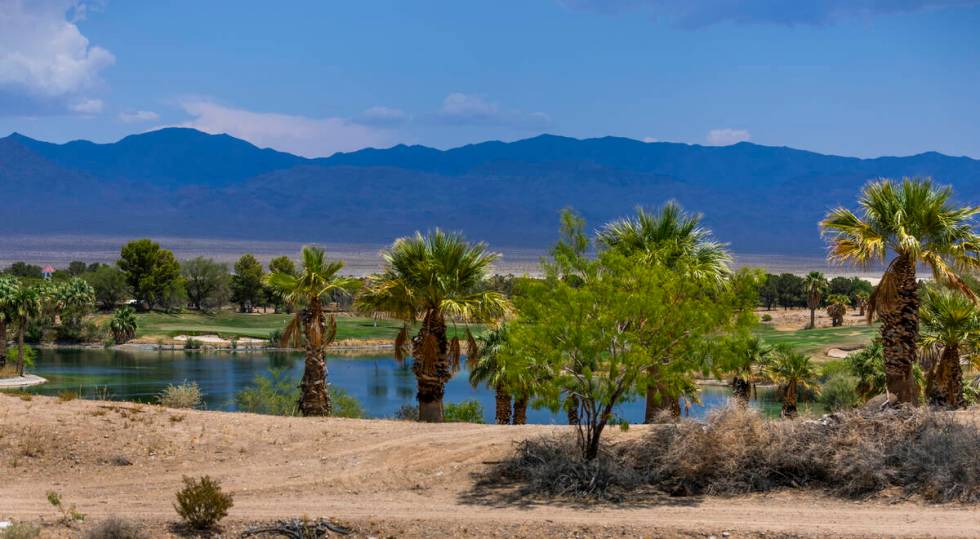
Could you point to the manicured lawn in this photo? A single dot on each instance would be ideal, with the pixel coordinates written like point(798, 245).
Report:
point(228, 324)
point(815, 341)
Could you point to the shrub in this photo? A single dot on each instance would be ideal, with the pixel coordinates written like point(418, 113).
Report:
point(201, 503)
point(69, 514)
point(20, 530)
point(344, 405)
point(192, 344)
point(181, 396)
point(468, 411)
point(408, 412)
point(767, 318)
point(275, 338)
point(839, 392)
point(553, 466)
point(123, 325)
point(116, 528)
point(67, 395)
point(13, 353)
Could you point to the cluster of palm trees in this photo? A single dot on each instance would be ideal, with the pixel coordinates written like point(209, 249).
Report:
point(915, 222)
point(432, 284)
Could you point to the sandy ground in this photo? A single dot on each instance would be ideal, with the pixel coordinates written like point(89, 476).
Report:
point(382, 478)
point(795, 319)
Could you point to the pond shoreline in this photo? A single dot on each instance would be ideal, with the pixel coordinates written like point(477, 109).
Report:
point(28, 380)
point(369, 345)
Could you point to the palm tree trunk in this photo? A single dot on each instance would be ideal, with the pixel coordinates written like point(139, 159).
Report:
point(740, 390)
point(314, 394)
point(571, 410)
point(900, 334)
point(789, 401)
point(503, 406)
point(813, 320)
point(3, 343)
point(658, 398)
point(520, 410)
point(430, 352)
point(20, 349)
point(945, 384)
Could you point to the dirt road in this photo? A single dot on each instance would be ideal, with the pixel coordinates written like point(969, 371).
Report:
point(384, 478)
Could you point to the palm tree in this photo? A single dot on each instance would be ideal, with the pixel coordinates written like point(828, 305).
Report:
point(677, 240)
point(486, 369)
point(949, 319)
point(918, 223)
point(429, 279)
point(123, 324)
point(862, 300)
point(26, 306)
point(747, 355)
point(309, 327)
point(837, 308)
point(73, 299)
point(8, 294)
point(814, 287)
point(792, 371)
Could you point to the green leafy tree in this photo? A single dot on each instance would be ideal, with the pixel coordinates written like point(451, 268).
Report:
point(246, 283)
point(790, 291)
point(814, 289)
point(123, 324)
point(431, 279)
point(588, 330)
point(207, 283)
point(279, 264)
point(676, 240)
point(24, 270)
point(109, 284)
point(950, 320)
point(76, 268)
point(769, 291)
point(918, 223)
point(310, 327)
point(793, 372)
point(152, 273)
point(9, 290)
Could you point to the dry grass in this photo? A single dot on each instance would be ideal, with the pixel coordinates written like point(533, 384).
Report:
point(923, 453)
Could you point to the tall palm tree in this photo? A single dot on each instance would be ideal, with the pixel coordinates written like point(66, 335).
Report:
point(73, 299)
point(917, 222)
point(430, 279)
point(837, 308)
point(677, 240)
point(792, 371)
point(949, 319)
point(8, 294)
point(814, 287)
point(26, 306)
point(310, 327)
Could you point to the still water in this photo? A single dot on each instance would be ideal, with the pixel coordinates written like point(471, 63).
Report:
point(380, 383)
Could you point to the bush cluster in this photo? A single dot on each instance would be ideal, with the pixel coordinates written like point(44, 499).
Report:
point(181, 396)
point(116, 528)
point(201, 503)
point(852, 454)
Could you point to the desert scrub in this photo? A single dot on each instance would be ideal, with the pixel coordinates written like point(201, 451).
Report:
point(69, 514)
point(468, 411)
point(201, 503)
point(20, 530)
point(736, 451)
point(839, 393)
point(116, 528)
point(181, 396)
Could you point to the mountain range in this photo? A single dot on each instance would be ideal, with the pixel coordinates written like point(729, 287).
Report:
point(183, 182)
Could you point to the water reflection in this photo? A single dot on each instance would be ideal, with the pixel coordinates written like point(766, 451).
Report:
point(380, 383)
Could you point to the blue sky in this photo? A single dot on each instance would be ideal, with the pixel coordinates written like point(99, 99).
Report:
point(851, 77)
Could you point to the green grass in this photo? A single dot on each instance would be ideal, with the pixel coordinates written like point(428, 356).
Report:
point(815, 341)
point(227, 324)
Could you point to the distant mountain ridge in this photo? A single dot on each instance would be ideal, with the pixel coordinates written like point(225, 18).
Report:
point(183, 182)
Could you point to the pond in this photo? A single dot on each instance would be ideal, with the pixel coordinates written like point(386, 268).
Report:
point(379, 382)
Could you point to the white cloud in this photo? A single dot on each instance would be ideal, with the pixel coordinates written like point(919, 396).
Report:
point(469, 109)
point(45, 61)
point(138, 116)
point(86, 106)
point(726, 137)
point(383, 116)
point(311, 137)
